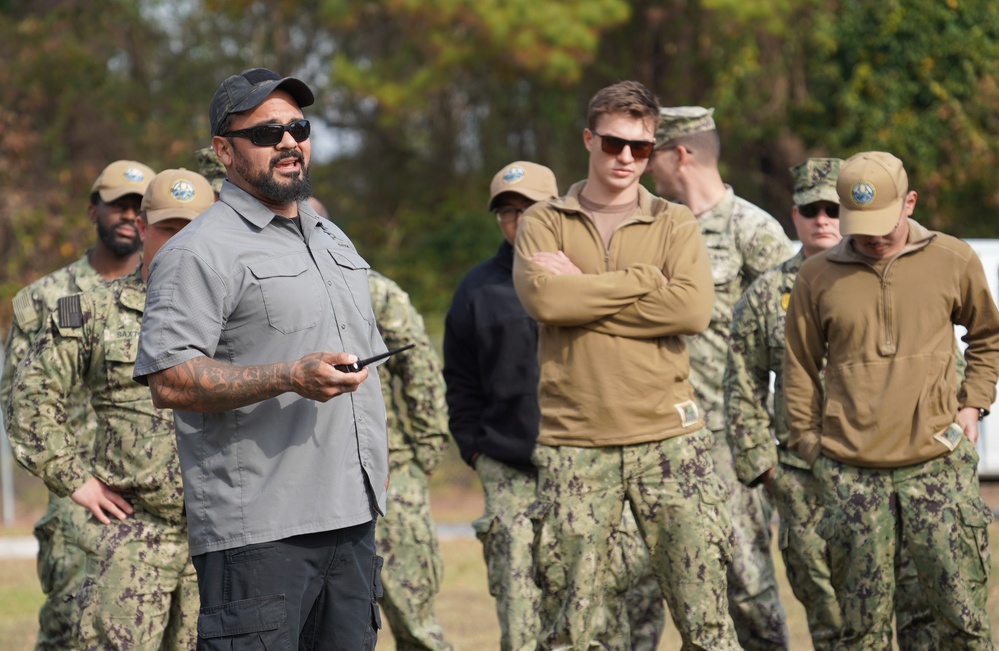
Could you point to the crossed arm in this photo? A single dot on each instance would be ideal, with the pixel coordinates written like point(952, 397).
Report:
point(640, 300)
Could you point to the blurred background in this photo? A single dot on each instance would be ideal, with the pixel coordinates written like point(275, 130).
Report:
point(420, 102)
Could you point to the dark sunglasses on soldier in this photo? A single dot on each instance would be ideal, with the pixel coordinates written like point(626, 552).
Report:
point(268, 135)
point(810, 210)
point(613, 145)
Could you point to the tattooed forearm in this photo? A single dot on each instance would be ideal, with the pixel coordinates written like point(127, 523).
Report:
point(204, 385)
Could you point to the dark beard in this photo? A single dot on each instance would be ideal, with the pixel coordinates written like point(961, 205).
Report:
point(120, 248)
point(269, 188)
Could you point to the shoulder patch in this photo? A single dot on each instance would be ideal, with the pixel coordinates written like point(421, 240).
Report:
point(70, 314)
point(785, 300)
point(24, 311)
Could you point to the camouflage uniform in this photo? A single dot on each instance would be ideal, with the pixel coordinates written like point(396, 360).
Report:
point(742, 241)
point(756, 349)
point(870, 400)
point(672, 484)
point(140, 590)
point(60, 559)
point(416, 417)
point(634, 609)
point(863, 504)
point(210, 167)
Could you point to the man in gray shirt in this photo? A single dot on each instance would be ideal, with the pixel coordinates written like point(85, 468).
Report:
point(283, 456)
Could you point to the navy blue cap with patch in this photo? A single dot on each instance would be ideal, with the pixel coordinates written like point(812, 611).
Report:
point(248, 89)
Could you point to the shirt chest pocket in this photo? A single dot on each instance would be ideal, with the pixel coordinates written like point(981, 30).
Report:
point(354, 270)
point(288, 292)
point(725, 260)
point(775, 331)
point(120, 347)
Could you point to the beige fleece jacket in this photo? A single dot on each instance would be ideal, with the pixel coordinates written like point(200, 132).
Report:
point(889, 381)
point(613, 366)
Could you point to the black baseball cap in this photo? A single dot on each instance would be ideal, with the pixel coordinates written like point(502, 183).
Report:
point(248, 89)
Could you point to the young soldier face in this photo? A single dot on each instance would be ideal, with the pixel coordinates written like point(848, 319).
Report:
point(616, 173)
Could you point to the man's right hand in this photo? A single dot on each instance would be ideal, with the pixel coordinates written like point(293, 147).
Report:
point(314, 377)
point(97, 497)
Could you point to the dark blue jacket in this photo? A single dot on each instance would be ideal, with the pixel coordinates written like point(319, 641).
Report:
point(491, 366)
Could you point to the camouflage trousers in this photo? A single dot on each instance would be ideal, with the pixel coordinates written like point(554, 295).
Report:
point(411, 576)
point(507, 536)
point(140, 590)
point(678, 503)
point(61, 566)
point(806, 557)
point(935, 511)
point(753, 595)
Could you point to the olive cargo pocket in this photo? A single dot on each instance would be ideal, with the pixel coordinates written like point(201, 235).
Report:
point(540, 514)
point(976, 517)
point(52, 549)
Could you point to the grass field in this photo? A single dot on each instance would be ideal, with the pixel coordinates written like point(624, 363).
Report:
point(464, 607)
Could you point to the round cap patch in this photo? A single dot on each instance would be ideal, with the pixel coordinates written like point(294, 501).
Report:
point(182, 190)
point(863, 193)
point(134, 175)
point(514, 174)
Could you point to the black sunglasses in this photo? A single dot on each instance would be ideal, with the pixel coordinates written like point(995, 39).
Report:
point(810, 210)
point(267, 135)
point(613, 145)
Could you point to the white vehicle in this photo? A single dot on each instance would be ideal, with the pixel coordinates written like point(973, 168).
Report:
point(988, 443)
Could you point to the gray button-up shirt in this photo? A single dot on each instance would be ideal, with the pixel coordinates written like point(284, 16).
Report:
point(243, 286)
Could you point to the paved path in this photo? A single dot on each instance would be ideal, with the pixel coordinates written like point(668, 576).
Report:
point(22, 547)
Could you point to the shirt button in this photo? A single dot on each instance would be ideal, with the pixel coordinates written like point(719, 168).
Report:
point(329, 282)
point(343, 326)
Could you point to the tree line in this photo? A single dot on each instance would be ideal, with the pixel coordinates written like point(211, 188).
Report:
point(419, 102)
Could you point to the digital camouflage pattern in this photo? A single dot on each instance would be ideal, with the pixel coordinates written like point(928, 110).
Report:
point(758, 440)
point(507, 536)
point(815, 180)
point(758, 437)
point(678, 121)
point(141, 590)
point(742, 241)
point(678, 504)
point(416, 418)
point(756, 348)
point(134, 452)
point(210, 167)
point(934, 507)
point(60, 560)
point(753, 594)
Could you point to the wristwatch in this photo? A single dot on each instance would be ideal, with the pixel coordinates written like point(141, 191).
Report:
point(981, 414)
